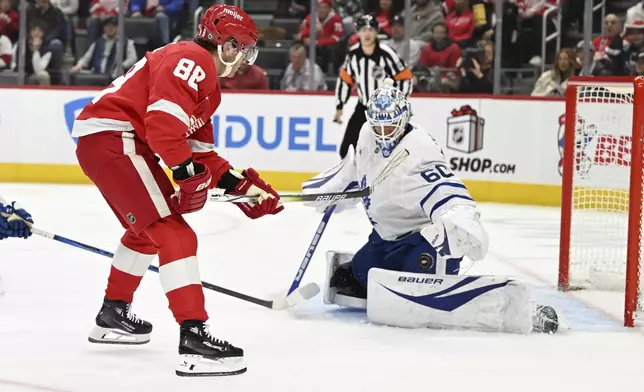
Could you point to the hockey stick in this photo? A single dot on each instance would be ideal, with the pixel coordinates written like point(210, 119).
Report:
point(311, 249)
point(393, 164)
point(330, 196)
point(305, 293)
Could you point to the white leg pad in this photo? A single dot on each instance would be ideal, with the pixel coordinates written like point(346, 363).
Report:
point(331, 297)
point(486, 303)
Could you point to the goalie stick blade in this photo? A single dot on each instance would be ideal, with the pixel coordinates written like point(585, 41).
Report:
point(297, 297)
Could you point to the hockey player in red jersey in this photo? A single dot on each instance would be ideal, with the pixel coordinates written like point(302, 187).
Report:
point(163, 107)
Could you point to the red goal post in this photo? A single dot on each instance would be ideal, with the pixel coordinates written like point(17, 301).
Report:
point(601, 213)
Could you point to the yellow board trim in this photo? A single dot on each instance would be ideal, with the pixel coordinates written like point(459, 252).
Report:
point(484, 191)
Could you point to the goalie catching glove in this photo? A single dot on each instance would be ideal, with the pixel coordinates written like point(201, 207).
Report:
point(457, 232)
point(340, 178)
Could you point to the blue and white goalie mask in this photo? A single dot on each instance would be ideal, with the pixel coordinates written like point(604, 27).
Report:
point(388, 113)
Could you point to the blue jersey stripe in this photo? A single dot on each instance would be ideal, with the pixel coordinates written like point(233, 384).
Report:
point(442, 202)
point(452, 184)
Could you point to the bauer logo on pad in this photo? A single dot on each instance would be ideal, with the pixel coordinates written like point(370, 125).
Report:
point(465, 130)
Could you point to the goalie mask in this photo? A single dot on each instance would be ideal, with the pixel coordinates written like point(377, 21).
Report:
point(388, 113)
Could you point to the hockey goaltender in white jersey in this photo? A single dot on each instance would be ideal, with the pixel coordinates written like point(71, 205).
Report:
point(424, 222)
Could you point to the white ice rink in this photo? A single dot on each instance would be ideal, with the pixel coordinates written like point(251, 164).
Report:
point(53, 292)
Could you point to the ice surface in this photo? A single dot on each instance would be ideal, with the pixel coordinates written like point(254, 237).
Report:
point(53, 292)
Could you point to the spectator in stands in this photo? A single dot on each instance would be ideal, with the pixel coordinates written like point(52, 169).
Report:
point(553, 83)
point(53, 21)
point(440, 52)
point(350, 11)
point(424, 14)
point(100, 10)
point(166, 13)
point(38, 57)
point(100, 58)
point(69, 9)
point(460, 22)
point(248, 77)
point(531, 14)
point(397, 42)
point(6, 52)
point(638, 69)
point(634, 43)
point(636, 12)
point(329, 31)
point(9, 21)
point(609, 58)
point(476, 69)
point(384, 15)
point(298, 73)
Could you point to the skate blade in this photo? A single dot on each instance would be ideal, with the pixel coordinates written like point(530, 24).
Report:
point(116, 336)
point(200, 366)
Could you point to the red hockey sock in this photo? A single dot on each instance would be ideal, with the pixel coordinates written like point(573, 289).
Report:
point(131, 259)
point(176, 243)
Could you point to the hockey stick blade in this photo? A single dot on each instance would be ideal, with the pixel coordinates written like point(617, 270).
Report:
point(329, 196)
point(297, 297)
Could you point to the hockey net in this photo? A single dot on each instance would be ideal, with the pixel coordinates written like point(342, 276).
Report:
point(601, 218)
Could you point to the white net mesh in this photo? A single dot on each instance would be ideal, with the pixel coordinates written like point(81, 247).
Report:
point(600, 201)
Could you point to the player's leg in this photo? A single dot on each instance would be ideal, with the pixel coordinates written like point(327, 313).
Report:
point(115, 322)
point(346, 278)
point(353, 130)
point(418, 256)
point(427, 293)
point(137, 190)
point(200, 354)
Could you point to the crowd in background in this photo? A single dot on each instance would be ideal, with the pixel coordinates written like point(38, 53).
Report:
point(451, 50)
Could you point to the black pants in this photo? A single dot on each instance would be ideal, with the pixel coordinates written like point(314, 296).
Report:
point(353, 129)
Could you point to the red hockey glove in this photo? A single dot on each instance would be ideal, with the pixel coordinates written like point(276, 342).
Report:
point(194, 180)
point(252, 185)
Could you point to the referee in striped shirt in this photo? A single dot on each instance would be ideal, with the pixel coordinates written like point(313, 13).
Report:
point(366, 66)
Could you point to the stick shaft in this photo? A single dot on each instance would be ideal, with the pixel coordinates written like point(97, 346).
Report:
point(311, 249)
point(328, 196)
point(296, 197)
point(209, 286)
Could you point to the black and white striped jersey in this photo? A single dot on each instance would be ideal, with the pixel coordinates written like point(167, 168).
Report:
point(367, 73)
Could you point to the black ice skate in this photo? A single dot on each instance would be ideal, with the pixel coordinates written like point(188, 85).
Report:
point(116, 324)
point(200, 354)
point(545, 320)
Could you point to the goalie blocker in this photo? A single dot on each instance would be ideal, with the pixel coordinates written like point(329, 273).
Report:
point(416, 300)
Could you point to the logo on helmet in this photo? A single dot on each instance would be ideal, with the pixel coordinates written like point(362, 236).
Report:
point(234, 14)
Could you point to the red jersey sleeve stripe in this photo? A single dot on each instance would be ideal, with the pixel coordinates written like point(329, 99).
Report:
point(198, 146)
point(171, 108)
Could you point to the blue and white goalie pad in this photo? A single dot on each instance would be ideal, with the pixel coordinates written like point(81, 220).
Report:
point(483, 303)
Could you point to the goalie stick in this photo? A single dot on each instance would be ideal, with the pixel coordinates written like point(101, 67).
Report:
point(303, 294)
point(330, 196)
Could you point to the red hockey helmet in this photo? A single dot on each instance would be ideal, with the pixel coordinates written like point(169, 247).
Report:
point(226, 23)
